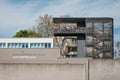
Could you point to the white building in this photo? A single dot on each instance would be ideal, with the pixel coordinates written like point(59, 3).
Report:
point(26, 42)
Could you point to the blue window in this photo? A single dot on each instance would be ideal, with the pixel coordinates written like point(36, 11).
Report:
point(31, 45)
point(49, 45)
point(17, 45)
point(9, 45)
point(45, 45)
point(20, 45)
point(40, 45)
point(2, 45)
point(23, 46)
point(26, 45)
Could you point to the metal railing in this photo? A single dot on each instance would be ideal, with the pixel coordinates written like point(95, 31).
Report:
point(69, 30)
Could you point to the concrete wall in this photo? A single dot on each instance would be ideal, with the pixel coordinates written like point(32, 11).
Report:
point(62, 69)
point(104, 69)
point(42, 72)
point(28, 55)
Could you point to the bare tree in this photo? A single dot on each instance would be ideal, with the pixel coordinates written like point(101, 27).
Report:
point(45, 25)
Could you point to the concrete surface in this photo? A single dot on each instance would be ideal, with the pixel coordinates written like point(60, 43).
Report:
point(61, 69)
point(42, 72)
point(28, 55)
point(104, 69)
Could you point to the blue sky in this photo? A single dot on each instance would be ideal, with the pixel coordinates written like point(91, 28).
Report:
point(22, 14)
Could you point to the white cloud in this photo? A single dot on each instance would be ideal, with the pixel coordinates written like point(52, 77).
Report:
point(18, 16)
point(87, 8)
point(15, 17)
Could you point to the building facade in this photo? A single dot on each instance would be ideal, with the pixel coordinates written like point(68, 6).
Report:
point(26, 43)
point(73, 38)
point(84, 37)
point(27, 50)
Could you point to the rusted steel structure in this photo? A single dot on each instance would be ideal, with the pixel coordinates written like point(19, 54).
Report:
point(84, 37)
